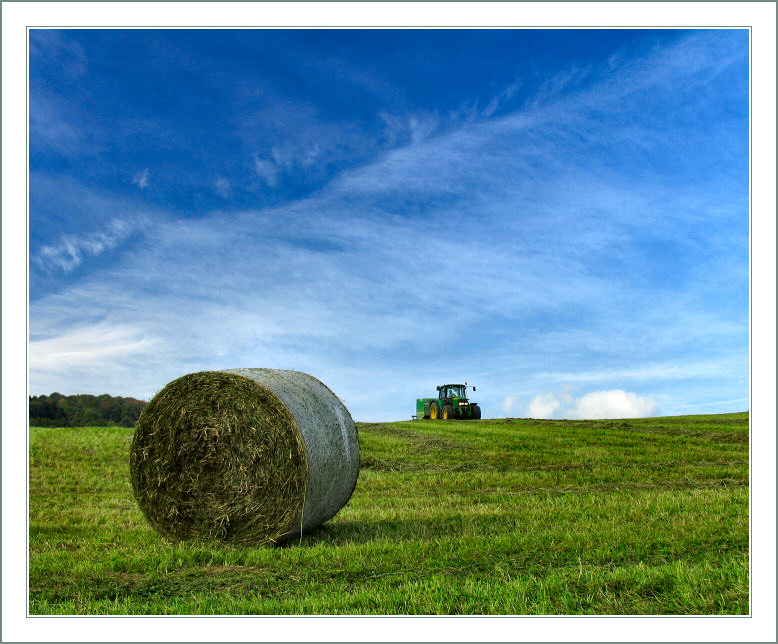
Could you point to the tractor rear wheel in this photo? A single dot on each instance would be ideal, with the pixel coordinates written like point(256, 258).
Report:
point(448, 412)
point(434, 411)
point(475, 412)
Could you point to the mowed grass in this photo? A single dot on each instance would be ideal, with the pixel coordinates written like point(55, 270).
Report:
point(510, 517)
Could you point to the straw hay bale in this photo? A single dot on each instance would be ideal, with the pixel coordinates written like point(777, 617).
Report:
point(243, 455)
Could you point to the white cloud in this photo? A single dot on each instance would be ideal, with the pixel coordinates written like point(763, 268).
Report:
point(120, 358)
point(509, 403)
point(498, 101)
point(614, 403)
point(348, 279)
point(654, 371)
point(222, 187)
point(89, 345)
point(69, 252)
point(50, 123)
point(543, 406)
point(306, 156)
point(266, 170)
point(141, 179)
point(49, 47)
point(285, 155)
point(312, 155)
point(421, 128)
point(414, 129)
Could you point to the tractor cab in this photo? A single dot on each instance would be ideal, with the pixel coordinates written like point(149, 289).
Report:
point(449, 392)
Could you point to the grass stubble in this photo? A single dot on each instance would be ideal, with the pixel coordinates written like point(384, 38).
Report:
point(491, 517)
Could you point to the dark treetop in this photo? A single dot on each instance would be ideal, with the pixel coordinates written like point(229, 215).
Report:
point(84, 410)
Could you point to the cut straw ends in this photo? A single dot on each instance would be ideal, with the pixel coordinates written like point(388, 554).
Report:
point(243, 456)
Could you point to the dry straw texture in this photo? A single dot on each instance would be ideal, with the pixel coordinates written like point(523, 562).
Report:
point(243, 456)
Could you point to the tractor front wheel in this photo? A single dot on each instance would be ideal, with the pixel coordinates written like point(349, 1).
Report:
point(475, 412)
point(434, 411)
point(448, 412)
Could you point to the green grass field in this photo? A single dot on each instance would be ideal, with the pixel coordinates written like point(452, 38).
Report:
point(511, 517)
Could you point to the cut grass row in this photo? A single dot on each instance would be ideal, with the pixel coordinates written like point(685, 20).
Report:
point(517, 517)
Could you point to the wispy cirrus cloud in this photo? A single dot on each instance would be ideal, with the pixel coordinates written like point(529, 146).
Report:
point(500, 100)
point(222, 187)
point(70, 251)
point(522, 230)
point(51, 128)
point(708, 369)
point(48, 47)
point(95, 356)
point(141, 179)
point(54, 125)
point(266, 170)
point(88, 345)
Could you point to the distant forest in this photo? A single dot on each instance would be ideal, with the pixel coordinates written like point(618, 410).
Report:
point(84, 410)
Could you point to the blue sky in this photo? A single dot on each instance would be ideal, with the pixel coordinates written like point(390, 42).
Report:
point(560, 217)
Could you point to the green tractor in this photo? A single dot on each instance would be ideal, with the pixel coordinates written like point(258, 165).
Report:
point(451, 404)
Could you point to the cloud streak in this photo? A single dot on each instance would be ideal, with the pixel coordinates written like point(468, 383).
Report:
point(51, 128)
point(88, 345)
point(709, 369)
point(511, 249)
point(141, 179)
point(71, 250)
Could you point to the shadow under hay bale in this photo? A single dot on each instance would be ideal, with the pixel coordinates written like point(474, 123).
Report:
point(243, 455)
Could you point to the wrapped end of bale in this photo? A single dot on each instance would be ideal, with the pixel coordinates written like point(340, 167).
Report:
point(222, 456)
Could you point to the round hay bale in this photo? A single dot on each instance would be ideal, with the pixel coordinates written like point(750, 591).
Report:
point(243, 456)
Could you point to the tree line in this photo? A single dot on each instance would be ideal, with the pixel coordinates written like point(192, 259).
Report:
point(84, 410)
